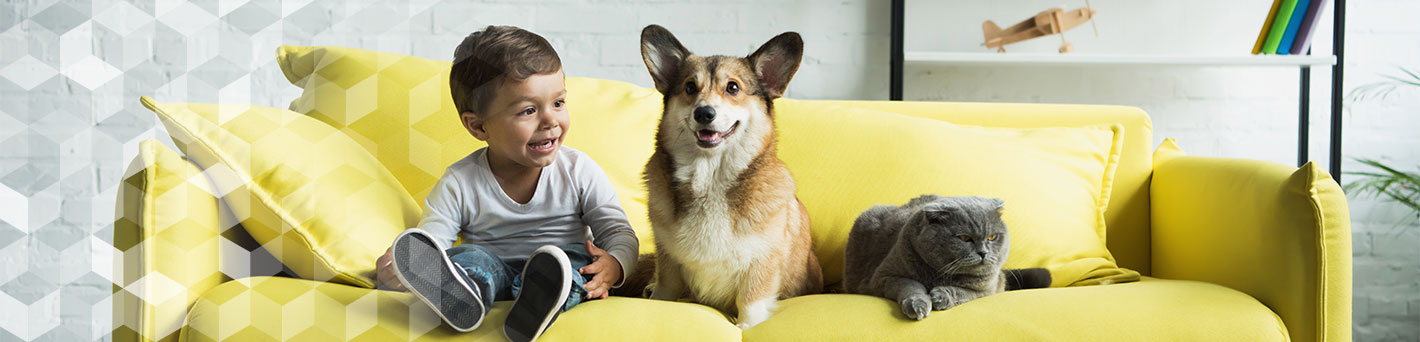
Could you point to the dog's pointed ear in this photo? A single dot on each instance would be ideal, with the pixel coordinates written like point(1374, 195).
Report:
point(663, 55)
point(776, 62)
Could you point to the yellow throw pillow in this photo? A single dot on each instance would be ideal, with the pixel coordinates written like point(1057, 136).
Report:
point(314, 198)
point(399, 108)
point(1055, 181)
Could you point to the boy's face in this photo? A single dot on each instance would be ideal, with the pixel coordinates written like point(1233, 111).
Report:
point(525, 121)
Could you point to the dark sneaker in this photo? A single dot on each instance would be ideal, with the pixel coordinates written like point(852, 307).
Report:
point(427, 272)
point(547, 278)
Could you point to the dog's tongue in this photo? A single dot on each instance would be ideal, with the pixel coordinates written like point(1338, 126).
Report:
point(708, 135)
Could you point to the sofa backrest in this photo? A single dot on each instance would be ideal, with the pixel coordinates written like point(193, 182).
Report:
point(399, 108)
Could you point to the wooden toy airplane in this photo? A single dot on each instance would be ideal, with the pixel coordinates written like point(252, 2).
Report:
point(1051, 21)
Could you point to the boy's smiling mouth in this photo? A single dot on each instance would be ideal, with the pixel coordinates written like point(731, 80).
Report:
point(543, 146)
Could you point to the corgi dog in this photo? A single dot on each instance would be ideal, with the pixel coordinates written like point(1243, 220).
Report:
point(729, 231)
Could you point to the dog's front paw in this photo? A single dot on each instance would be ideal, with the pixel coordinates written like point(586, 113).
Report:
point(916, 307)
point(941, 299)
point(748, 321)
point(746, 325)
point(661, 294)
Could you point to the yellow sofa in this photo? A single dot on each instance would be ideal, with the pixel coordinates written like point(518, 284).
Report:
point(1229, 249)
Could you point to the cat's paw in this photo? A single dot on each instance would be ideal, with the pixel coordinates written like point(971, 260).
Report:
point(916, 307)
point(942, 299)
point(650, 289)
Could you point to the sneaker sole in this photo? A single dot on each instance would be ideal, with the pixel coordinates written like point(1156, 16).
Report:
point(428, 273)
point(531, 315)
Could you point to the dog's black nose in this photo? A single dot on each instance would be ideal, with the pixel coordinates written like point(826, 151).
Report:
point(704, 114)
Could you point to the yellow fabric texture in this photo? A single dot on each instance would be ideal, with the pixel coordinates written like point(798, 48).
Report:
point(310, 195)
point(1147, 310)
point(1055, 181)
point(168, 228)
point(1128, 214)
point(243, 310)
point(399, 109)
point(1278, 233)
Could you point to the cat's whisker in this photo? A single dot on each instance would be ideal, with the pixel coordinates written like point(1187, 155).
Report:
point(951, 267)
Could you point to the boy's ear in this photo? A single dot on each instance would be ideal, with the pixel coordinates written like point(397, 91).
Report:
point(663, 55)
point(776, 62)
point(474, 125)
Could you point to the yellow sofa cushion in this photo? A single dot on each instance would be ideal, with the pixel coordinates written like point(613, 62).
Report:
point(1291, 224)
point(275, 308)
point(399, 109)
point(306, 192)
point(167, 229)
point(1055, 181)
point(1148, 310)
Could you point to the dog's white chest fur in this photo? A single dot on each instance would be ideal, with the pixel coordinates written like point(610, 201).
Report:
point(714, 257)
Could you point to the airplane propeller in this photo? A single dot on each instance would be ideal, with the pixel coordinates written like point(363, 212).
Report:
point(1092, 18)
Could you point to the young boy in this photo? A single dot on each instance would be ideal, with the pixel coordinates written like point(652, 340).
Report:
point(522, 205)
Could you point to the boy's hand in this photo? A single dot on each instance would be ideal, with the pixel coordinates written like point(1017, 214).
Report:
point(384, 271)
point(607, 271)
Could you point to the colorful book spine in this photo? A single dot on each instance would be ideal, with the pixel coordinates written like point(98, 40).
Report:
point(1285, 46)
point(1279, 26)
point(1266, 27)
point(1304, 35)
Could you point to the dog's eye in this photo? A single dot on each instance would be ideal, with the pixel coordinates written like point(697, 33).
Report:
point(690, 88)
point(733, 88)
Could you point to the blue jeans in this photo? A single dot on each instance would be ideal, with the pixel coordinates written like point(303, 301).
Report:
point(504, 280)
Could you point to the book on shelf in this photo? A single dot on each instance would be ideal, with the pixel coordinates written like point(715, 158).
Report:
point(1289, 27)
point(1266, 27)
point(1285, 45)
point(1279, 26)
point(1304, 34)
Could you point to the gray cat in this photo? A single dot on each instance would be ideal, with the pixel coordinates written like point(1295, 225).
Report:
point(933, 253)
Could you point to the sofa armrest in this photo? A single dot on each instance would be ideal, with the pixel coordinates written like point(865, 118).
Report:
point(168, 229)
point(1278, 233)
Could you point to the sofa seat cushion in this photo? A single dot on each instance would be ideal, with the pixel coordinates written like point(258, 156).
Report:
point(278, 308)
point(1149, 310)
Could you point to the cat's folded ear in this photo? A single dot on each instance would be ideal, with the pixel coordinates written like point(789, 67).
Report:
point(998, 204)
point(942, 212)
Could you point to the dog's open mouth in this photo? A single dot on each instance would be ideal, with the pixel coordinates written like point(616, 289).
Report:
point(710, 138)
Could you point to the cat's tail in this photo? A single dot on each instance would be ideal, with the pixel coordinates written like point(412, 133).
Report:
point(1027, 278)
point(636, 282)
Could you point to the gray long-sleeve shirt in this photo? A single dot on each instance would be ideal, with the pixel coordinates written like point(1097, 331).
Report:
point(574, 202)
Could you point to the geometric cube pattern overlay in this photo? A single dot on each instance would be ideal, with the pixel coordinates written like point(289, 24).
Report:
point(71, 73)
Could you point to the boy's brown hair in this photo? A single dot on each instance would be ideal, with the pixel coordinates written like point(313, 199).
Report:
point(495, 54)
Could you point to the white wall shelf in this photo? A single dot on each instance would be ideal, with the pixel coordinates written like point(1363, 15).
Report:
point(1056, 59)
